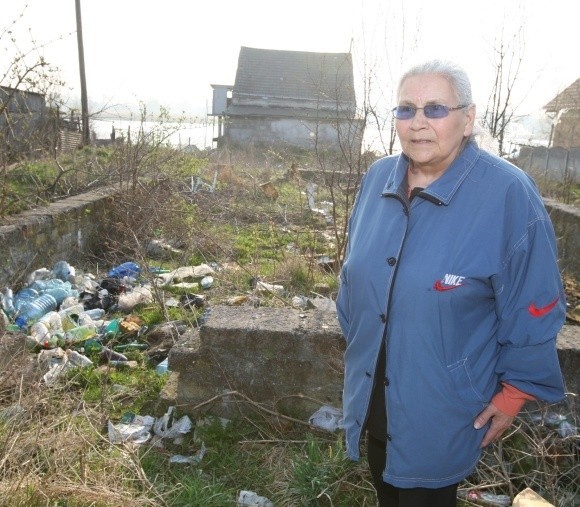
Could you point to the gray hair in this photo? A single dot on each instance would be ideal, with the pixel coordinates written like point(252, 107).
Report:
point(454, 74)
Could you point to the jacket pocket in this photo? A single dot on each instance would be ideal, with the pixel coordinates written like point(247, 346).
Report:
point(462, 381)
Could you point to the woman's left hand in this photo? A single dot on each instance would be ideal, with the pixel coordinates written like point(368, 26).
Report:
point(500, 422)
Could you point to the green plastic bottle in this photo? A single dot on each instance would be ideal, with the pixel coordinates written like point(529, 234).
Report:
point(79, 334)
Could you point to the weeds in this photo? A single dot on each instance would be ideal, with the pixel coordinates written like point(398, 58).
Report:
point(54, 448)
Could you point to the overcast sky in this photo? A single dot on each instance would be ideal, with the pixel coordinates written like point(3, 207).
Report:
point(169, 52)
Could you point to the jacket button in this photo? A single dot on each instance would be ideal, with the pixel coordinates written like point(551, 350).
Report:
point(386, 381)
point(383, 318)
point(389, 437)
point(391, 261)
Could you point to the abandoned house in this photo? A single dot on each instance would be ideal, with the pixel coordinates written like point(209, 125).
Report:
point(565, 111)
point(294, 98)
point(29, 127)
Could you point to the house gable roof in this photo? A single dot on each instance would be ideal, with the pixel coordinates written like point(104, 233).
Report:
point(295, 79)
point(568, 99)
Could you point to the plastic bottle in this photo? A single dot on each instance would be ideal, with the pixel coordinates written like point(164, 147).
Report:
point(33, 310)
point(92, 345)
point(70, 316)
point(94, 314)
point(46, 326)
point(79, 334)
point(24, 296)
point(63, 271)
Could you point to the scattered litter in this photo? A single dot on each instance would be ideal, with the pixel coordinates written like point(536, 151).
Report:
point(163, 367)
point(260, 286)
point(300, 302)
point(559, 422)
point(136, 430)
point(166, 428)
point(157, 249)
point(252, 499)
point(488, 498)
point(529, 498)
point(192, 301)
point(194, 460)
point(128, 270)
point(139, 295)
point(206, 282)
point(327, 418)
point(237, 300)
point(186, 273)
point(60, 360)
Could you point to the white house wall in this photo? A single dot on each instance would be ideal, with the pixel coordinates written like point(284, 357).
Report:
point(295, 132)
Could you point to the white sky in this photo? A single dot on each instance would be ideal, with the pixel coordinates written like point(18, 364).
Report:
point(168, 52)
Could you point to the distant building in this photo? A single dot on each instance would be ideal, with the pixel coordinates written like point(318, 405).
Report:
point(565, 111)
point(293, 98)
point(28, 127)
point(22, 115)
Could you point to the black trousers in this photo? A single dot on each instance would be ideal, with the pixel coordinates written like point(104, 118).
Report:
point(390, 496)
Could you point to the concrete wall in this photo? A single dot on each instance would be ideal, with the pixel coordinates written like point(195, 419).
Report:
point(38, 238)
point(566, 220)
point(290, 361)
point(286, 360)
point(301, 133)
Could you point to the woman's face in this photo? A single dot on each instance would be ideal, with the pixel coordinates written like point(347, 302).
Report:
point(432, 144)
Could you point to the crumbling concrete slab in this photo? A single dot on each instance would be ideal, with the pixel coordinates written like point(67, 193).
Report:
point(286, 360)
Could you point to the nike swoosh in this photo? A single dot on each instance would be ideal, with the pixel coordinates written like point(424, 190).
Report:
point(441, 288)
point(543, 310)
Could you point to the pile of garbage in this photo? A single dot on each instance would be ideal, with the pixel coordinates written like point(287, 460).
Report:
point(64, 315)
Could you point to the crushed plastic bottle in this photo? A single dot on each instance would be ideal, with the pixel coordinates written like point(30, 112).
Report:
point(63, 270)
point(35, 309)
point(24, 296)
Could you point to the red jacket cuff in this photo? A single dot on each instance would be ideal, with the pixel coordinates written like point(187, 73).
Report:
point(510, 399)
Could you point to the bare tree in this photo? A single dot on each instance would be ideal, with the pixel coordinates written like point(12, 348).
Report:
point(28, 92)
point(507, 61)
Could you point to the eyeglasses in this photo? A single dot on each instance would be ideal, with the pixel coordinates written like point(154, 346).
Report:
point(430, 111)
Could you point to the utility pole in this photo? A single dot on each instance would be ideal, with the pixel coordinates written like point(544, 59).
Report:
point(84, 100)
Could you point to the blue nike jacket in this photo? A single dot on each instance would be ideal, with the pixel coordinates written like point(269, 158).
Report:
point(464, 287)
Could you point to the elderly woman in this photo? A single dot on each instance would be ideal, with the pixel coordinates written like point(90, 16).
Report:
point(450, 298)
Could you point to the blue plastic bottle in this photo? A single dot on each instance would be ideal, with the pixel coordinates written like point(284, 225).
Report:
point(33, 310)
point(24, 296)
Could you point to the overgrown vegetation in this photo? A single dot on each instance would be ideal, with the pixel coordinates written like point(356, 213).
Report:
point(54, 447)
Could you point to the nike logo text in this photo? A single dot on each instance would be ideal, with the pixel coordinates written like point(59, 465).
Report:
point(449, 282)
point(543, 310)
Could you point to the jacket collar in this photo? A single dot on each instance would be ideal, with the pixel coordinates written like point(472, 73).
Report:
point(442, 190)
